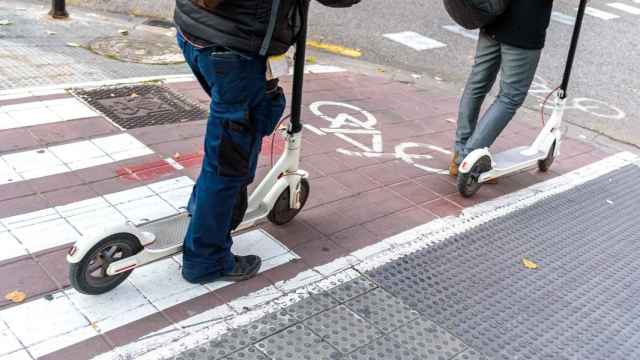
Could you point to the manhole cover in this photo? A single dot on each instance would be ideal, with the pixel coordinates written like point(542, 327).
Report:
point(135, 106)
point(150, 48)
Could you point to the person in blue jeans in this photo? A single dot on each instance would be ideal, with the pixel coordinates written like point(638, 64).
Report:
point(511, 45)
point(226, 43)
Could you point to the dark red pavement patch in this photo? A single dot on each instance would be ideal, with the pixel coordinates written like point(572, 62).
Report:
point(158, 168)
point(32, 280)
point(83, 350)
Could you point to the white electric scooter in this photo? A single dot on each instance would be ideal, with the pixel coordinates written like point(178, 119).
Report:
point(102, 260)
point(480, 166)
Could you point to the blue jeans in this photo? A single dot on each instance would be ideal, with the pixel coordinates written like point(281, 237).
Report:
point(241, 113)
point(518, 67)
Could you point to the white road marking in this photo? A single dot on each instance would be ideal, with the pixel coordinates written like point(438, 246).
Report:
point(70, 317)
point(600, 14)
point(168, 342)
point(43, 112)
point(626, 8)
point(314, 129)
point(562, 18)
point(65, 224)
point(415, 40)
point(64, 158)
point(457, 29)
point(8, 341)
point(18, 355)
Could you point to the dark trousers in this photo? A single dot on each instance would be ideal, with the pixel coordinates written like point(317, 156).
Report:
point(242, 111)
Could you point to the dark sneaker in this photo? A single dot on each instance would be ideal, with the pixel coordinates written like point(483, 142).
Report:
point(246, 267)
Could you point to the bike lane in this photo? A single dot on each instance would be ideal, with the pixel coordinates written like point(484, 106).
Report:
point(376, 151)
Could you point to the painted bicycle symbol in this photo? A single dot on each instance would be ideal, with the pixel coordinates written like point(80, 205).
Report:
point(358, 122)
point(540, 88)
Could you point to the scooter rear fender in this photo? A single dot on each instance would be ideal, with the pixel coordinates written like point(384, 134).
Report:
point(91, 238)
point(472, 158)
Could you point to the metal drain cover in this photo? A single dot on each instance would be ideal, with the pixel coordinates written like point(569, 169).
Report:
point(135, 106)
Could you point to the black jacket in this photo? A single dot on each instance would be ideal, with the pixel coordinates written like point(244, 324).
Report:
point(242, 24)
point(523, 25)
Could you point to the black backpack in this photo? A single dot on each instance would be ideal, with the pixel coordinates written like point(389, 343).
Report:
point(475, 14)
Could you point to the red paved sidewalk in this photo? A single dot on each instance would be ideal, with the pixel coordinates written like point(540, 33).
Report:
point(375, 150)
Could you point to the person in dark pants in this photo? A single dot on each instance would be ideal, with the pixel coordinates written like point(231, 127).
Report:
point(512, 45)
point(227, 44)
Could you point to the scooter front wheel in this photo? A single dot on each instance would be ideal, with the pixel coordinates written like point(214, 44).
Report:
point(89, 276)
point(282, 212)
point(468, 183)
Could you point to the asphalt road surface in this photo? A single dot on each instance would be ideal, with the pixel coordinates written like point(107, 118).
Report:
point(604, 86)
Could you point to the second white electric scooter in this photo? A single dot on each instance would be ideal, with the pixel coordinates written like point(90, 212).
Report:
point(100, 261)
point(480, 166)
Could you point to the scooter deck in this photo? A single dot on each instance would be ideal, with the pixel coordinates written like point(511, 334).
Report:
point(169, 231)
point(515, 157)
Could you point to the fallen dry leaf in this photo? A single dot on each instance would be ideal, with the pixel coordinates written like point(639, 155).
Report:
point(529, 264)
point(16, 296)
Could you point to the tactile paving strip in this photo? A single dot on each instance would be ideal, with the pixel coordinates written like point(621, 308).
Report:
point(581, 303)
point(312, 305)
point(383, 349)
point(384, 311)
point(343, 329)
point(250, 353)
point(297, 342)
point(425, 338)
point(242, 337)
point(349, 290)
point(135, 106)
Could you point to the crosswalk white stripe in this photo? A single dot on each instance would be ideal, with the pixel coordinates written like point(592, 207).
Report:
point(32, 164)
point(43, 112)
point(563, 18)
point(65, 224)
point(69, 317)
point(414, 40)
point(626, 8)
point(600, 14)
point(457, 29)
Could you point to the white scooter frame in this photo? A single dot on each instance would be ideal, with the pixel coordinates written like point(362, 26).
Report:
point(542, 152)
point(103, 259)
point(480, 166)
point(284, 176)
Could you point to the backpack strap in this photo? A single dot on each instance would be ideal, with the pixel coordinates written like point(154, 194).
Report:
point(266, 42)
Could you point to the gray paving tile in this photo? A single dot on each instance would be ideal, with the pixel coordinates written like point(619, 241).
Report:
point(250, 353)
point(428, 340)
point(312, 305)
point(382, 309)
point(471, 354)
point(297, 342)
point(343, 329)
point(245, 336)
point(349, 290)
point(383, 349)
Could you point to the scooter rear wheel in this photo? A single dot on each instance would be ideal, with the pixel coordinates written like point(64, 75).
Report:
point(468, 184)
point(545, 164)
point(89, 276)
point(282, 212)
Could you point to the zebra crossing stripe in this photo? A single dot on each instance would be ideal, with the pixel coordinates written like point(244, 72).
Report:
point(600, 14)
point(415, 41)
point(626, 8)
point(562, 18)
